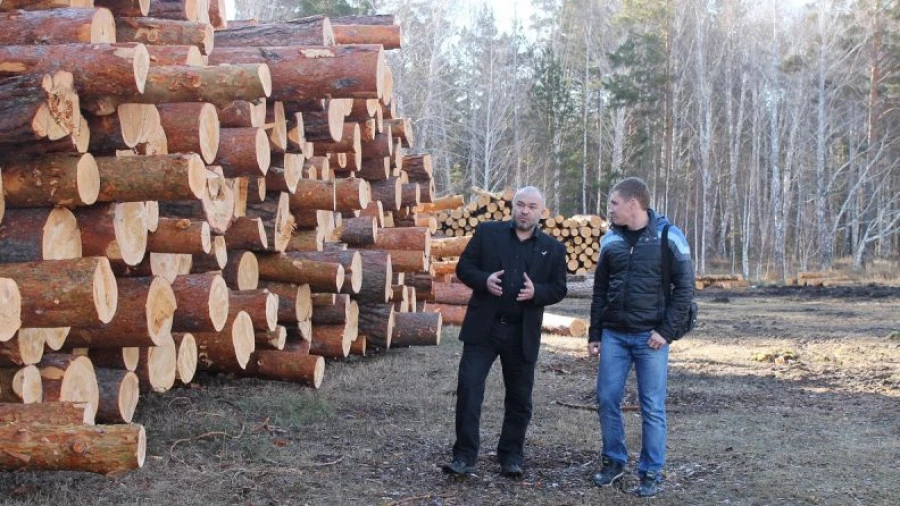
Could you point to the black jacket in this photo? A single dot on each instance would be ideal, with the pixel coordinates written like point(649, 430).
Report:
point(628, 293)
point(487, 253)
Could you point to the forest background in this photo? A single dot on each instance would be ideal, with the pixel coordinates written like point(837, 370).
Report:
point(767, 130)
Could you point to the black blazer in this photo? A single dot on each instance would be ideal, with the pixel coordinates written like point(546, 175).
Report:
point(486, 253)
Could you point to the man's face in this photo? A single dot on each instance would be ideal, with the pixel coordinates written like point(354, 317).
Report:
point(619, 210)
point(527, 210)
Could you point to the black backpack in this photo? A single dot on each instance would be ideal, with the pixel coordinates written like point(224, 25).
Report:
point(691, 320)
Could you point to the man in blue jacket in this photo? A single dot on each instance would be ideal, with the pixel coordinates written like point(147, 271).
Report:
point(514, 270)
point(633, 321)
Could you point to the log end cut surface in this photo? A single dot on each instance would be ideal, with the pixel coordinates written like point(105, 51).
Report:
point(10, 309)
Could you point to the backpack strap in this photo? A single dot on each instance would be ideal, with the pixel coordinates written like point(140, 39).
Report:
point(666, 259)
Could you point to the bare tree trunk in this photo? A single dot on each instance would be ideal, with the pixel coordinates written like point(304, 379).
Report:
point(777, 209)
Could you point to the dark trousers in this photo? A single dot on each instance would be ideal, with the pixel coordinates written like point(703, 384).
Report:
point(505, 341)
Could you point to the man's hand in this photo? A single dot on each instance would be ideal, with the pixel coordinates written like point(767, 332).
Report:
point(495, 283)
point(527, 291)
point(656, 341)
point(594, 348)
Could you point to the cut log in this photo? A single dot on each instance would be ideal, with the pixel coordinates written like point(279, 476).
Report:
point(201, 301)
point(277, 219)
point(58, 26)
point(116, 358)
point(228, 351)
point(221, 84)
point(313, 195)
point(31, 5)
point(375, 169)
point(386, 35)
point(20, 385)
point(244, 152)
point(187, 356)
point(105, 449)
point(124, 130)
point(217, 14)
point(51, 413)
point(191, 128)
point(260, 305)
point(321, 276)
point(311, 31)
point(119, 394)
point(38, 107)
point(25, 348)
point(143, 318)
point(376, 322)
point(358, 347)
point(376, 283)
point(311, 72)
point(452, 314)
point(416, 329)
point(444, 268)
point(131, 8)
point(297, 367)
point(241, 272)
point(351, 194)
point(401, 128)
point(449, 246)
point(332, 341)
point(564, 325)
point(168, 32)
point(243, 114)
point(409, 195)
point(389, 192)
point(408, 260)
point(189, 10)
point(358, 232)
point(180, 236)
point(328, 125)
point(419, 167)
point(270, 339)
point(162, 177)
point(350, 260)
point(29, 235)
point(452, 293)
point(55, 293)
point(400, 298)
point(294, 301)
point(115, 230)
point(217, 210)
point(69, 378)
point(158, 366)
point(339, 312)
point(285, 172)
point(176, 55)
point(276, 126)
point(443, 203)
point(247, 234)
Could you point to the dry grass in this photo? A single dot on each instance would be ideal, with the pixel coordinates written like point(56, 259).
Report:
point(822, 430)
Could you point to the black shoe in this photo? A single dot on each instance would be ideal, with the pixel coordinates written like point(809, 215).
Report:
point(609, 473)
point(511, 470)
point(458, 468)
point(649, 485)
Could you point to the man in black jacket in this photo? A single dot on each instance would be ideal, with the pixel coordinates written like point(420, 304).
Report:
point(632, 319)
point(514, 270)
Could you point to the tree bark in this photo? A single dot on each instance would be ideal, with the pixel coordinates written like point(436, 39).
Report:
point(270, 339)
point(25, 348)
point(40, 106)
point(189, 10)
point(116, 358)
point(58, 26)
point(312, 31)
point(182, 235)
point(313, 195)
point(161, 177)
point(321, 276)
point(376, 322)
point(158, 366)
point(388, 192)
point(119, 394)
point(386, 35)
point(51, 413)
point(133, 8)
point(191, 128)
point(168, 32)
point(350, 260)
point(114, 230)
point(247, 234)
point(261, 305)
point(201, 303)
point(449, 247)
point(228, 351)
point(452, 293)
point(241, 272)
point(176, 56)
point(452, 314)
point(21, 385)
point(70, 378)
point(332, 341)
point(297, 367)
point(416, 329)
point(105, 449)
point(351, 194)
point(243, 114)
point(186, 361)
point(294, 301)
point(244, 152)
point(358, 232)
point(285, 172)
point(30, 235)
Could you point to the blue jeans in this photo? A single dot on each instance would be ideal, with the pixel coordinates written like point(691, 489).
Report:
point(618, 350)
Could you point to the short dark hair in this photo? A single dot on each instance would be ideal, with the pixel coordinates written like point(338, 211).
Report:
point(633, 188)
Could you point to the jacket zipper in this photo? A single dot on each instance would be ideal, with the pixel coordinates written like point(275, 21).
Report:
point(627, 287)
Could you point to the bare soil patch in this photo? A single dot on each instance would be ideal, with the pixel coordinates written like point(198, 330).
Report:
point(818, 425)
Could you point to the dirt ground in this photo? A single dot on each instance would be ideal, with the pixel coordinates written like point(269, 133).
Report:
point(781, 396)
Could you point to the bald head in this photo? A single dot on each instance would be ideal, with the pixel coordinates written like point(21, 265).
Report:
point(529, 190)
point(528, 206)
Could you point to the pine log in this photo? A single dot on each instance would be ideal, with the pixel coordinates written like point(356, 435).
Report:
point(180, 236)
point(270, 339)
point(261, 305)
point(388, 192)
point(69, 378)
point(163, 177)
point(227, 351)
point(25, 348)
point(105, 449)
point(121, 131)
point(313, 195)
point(348, 141)
point(33, 5)
point(29, 235)
point(419, 167)
point(328, 125)
point(116, 358)
point(313, 30)
point(217, 210)
point(416, 329)
point(54, 292)
point(401, 128)
point(189, 10)
point(564, 325)
point(244, 152)
point(277, 219)
point(243, 114)
point(131, 8)
point(296, 135)
point(321, 276)
point(168, 32)
point(114, 230)
point(452, 293)
point(332, 341)
point(241, 272)
point(51, 413)
point(451, 313)
point(39, 106)
point(220, 84)
point(58, 26)
point(164, 265)
point(285, 172)
point(358, 232)
point(201, 302)
point(187, 356)
point(217, 14)
point(351, 194)
point(20, 385)
point(310, 72)
point(297, 367)
point(409, 195)
point(443, 203)
point(176, 56)
point(382, 146)
point(386, 35)
point(376, 282)
point(306, 240)
point(444, 268)
point(294, 301)
point(449, 247)
point(143, 318)
point(400, 298)
point(191, 128)
point(350, 260)
point(339, 312)
point(376, 322)
point(119, 394)
point(158, 366)
point(247, 234)
point(276, 126)
point(358, 347)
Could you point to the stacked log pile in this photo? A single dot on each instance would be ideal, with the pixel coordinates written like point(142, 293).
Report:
point(580, 233)
point(821, 278)
point(181, 195)
point(724, 281)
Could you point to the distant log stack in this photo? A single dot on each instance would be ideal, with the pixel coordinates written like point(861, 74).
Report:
point(169, 216)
